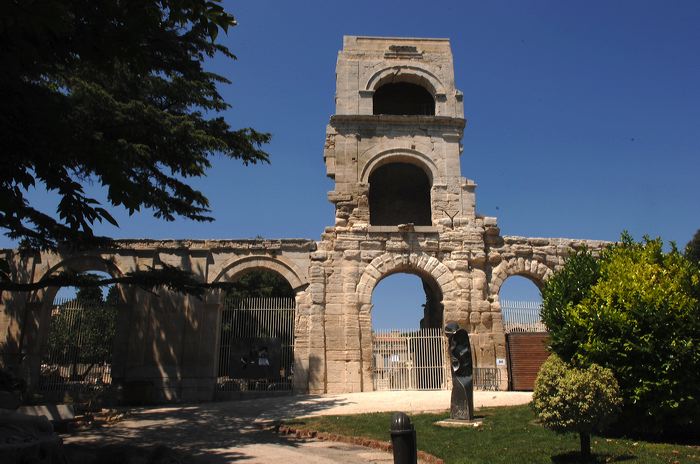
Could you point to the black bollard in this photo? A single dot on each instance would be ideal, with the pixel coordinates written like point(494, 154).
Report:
point(403, 439)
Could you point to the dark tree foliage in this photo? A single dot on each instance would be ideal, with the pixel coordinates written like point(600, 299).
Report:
point(260, 283)
point(692, 249)
point(113, 93)
point(90, 294)
point(113, 297)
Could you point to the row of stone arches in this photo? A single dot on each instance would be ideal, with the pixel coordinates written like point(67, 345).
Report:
point(448, 297)
point(439, 280)
point(149, 329)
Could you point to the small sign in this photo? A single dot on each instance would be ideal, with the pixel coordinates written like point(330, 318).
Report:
point(500, 361)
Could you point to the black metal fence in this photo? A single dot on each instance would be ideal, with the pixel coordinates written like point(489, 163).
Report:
point(256, 349)
point(78, 354)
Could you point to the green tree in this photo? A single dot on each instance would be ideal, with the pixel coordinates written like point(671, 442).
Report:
point(113, 297)
point(90, 295)
point(567, 399)
point(260, 283)
point(114, 93)
point(692, 249)
point(641, 319)
point(560, 297)
point(82, 331)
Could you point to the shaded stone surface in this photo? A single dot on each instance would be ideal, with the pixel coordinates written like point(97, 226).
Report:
point(28, 439)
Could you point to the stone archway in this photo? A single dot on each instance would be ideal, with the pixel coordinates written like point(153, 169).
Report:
point(37, 317)
point(404, 73)
point(79, 263)
point(421, 264)
point(533, 269)
point(390, 263)
point(524, 341)
point(269, 321)
point(281, 266)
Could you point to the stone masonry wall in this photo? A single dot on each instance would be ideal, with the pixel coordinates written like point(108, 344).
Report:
point(168, 339)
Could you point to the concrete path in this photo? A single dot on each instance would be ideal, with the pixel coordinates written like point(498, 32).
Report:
point(243, 431)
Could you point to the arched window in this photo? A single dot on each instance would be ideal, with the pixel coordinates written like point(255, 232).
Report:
point(399, 193)
point(403, 98)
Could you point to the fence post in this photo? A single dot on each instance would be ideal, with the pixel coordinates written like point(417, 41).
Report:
point(403, 439)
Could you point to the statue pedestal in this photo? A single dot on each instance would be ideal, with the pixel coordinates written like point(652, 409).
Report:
point(457, 423)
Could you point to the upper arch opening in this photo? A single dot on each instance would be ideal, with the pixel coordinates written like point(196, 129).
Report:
point(399, 193)
point(403, 98)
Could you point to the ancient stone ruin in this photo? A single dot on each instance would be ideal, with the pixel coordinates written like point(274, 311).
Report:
point(394, 151)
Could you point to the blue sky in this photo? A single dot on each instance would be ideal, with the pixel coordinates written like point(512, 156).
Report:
point(583, 117)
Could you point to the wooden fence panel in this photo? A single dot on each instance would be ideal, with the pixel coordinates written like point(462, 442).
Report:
point(526, 353)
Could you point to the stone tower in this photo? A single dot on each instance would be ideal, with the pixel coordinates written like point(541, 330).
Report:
point(393, 148)
point(399, 119)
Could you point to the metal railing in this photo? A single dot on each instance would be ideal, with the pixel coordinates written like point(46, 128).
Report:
point(487, 378)
point(410, 360)
point(419, 360)
point(522, 316)
point(256, 349)
point(78, 353)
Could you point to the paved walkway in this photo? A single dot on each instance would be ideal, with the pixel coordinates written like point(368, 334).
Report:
point(243, 431)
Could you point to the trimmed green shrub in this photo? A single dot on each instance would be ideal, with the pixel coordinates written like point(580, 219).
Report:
point(641, 319)
point(567, 399)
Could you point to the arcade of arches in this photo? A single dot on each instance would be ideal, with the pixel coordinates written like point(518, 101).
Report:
point(401, 205)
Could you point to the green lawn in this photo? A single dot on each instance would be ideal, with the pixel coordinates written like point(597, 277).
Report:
point(508, 435)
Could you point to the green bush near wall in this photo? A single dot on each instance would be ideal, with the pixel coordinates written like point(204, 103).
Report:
point(636, 311)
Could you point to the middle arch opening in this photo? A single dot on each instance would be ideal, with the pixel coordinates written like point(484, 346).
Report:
point(399, 193)
point(406, 301)
point(408, 345)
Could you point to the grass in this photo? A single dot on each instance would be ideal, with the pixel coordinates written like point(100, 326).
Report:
point(508, 435)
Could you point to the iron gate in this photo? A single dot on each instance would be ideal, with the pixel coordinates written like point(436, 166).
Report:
point(410, 360)
point(419, 360)
point(77, 357)
point(256, 349)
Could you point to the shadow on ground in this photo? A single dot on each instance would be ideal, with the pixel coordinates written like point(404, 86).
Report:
point(213, 433)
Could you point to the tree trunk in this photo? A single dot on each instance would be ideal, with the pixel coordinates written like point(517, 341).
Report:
point(585, 444)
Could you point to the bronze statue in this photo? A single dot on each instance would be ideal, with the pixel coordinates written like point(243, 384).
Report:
point(462, 400)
